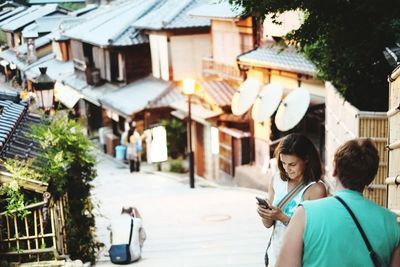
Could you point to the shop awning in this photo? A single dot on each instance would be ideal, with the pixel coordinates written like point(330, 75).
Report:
point(66, 95)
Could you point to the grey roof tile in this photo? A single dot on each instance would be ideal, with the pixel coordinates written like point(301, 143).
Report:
point(43, 25)
point(220, 92)
point(135, 96)
point(11, 57)
point(172, 14)
point(173, 94)
point(276, 57)
point(217, 10)
point(111, 23)
point(56, 69)
point(11, 15)
point(28, 16)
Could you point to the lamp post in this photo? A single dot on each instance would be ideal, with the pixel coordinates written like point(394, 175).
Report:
point(189, 90)
point(44, 90)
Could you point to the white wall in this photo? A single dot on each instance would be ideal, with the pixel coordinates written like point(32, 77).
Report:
point(341, 124)
point(226, 42)
point(56, 50)
point(187, 52)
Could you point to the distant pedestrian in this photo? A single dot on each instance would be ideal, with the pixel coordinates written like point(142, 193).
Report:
point(128, 223)
point(298, 179)
point(324, 233)
point(134, 148)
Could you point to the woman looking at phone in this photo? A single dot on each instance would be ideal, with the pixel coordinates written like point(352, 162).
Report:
point(298, 179)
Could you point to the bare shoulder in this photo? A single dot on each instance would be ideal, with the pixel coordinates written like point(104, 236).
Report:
point(315, 191)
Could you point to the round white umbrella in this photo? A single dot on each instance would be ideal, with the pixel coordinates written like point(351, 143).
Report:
point(267, 102)
point(292, 109)
point(244, 97)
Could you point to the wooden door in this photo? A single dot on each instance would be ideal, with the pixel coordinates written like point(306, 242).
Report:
point(199, 150)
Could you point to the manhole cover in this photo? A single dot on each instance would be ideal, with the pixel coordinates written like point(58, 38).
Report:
point(217, 218)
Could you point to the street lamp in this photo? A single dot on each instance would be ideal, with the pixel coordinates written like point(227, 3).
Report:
point(44, 90)
point(189, 89)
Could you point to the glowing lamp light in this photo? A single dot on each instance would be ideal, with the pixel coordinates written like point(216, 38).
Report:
point(189, 86)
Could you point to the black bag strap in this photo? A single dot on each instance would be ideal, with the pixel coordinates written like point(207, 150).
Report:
point(130, 234)
point(372, 254)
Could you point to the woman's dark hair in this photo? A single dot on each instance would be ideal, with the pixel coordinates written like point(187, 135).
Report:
point(130, 133)
point(300, 146)
point(128, 210)
point(356, 163)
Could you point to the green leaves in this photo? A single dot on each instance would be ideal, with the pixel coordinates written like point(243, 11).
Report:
point(69, 163)
point(345, 40)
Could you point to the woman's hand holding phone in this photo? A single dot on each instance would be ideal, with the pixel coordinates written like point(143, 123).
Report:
point(263, 203)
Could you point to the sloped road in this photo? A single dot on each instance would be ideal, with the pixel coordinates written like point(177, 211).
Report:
point(206, 226)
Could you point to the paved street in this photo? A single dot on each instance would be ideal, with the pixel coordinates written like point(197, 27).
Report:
point(207, 226)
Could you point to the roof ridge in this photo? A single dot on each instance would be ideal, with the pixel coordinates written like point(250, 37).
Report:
point(150, 5)
point(181, 6)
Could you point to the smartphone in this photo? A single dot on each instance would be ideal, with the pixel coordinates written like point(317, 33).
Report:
point(262, 202)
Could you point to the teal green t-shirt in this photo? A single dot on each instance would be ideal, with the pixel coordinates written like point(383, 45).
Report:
point(331, 237)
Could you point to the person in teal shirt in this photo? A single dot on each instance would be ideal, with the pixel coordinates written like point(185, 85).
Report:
point(323, 233)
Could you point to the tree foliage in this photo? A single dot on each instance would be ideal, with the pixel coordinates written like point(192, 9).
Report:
point(345, 40)
point(69, 165)
point(176, 137)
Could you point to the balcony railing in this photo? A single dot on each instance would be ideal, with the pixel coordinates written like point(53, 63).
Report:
point(222, 70)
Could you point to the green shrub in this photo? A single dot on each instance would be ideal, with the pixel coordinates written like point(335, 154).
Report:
point(176, 137)
point(67, 159)
point(176, 165)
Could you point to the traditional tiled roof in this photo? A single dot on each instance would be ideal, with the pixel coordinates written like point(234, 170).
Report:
point(94, 94)
point(43, 25)
point(111, 24)
point(9, 4)
point(84, 10)
point(135, 96)
point(218, 92)
point(11, 15)
point(11, 57)
point(172, 14)
point(28, 16)
point(287, 59)
point(217, 10)
point(56, 69)
point(173, 94)
point(20, 62)
point(15, 123)
point(75, 82)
